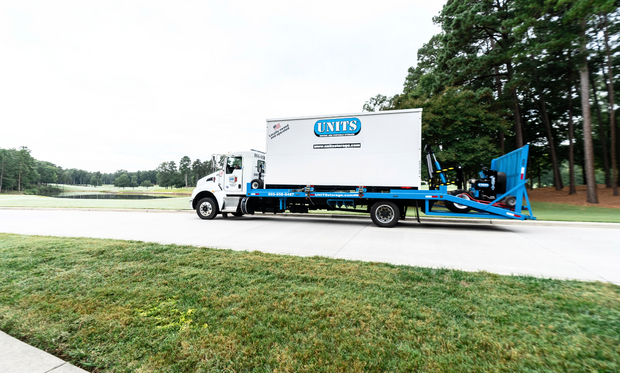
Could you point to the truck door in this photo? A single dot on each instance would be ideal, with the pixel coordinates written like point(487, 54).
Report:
point(234, 174)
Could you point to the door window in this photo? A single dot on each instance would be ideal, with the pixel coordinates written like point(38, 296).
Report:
point(234, 163)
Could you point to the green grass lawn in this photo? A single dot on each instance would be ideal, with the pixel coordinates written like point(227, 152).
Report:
point(113, 189)
point(172, 203)
point(127, 306)
point(565, 212)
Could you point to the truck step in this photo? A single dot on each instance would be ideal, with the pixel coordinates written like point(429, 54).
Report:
point(230, 204)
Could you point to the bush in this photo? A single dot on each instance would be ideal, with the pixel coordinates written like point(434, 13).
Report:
point(42, 190)
point(48, 190)
point(31, 191)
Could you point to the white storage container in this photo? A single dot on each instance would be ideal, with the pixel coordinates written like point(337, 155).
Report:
point(380, 149)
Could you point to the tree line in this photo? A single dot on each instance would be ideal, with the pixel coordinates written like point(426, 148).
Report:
point(21, 172)
point(503, 73)
point(187, 174)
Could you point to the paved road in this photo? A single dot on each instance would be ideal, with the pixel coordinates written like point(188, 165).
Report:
point(573, 252)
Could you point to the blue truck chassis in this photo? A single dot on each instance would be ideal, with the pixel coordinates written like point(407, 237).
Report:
point(387, 207)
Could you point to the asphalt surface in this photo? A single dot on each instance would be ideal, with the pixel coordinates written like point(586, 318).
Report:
point(589, 252)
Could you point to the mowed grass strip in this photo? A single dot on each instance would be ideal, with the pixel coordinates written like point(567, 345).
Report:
point(171, 203)
point(566, 212)
point(125, 306)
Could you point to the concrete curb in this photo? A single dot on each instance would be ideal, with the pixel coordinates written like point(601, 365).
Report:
point(410, 219)
point(19, 357)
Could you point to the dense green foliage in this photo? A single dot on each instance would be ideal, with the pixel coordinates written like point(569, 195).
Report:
point(126, 306)
point(520, 62)
point(20, 172)
point(188, 173)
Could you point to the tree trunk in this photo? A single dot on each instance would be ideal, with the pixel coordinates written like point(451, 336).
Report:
point(557, 178)
point(612, 111)
point(592, 196)
point(517, 116)
point(571, 147)
point(517, 110)
point(602, 133)
point(617, 140)
point(584, 176)
point(498, 85)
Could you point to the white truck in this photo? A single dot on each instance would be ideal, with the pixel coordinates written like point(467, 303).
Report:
point(363, 162)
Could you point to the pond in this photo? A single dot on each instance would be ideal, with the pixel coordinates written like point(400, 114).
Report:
point(108, 196)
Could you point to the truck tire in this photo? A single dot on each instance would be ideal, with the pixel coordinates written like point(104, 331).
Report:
point(247, 206)
point(206, 208)
point(256, 184)
point(385, 214)
point(458, 208)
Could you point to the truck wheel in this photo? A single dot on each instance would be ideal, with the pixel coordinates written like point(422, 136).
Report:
point(384, 214)
point(247, 206)
point(256, 184)
point(206, 208)
point(456, 207)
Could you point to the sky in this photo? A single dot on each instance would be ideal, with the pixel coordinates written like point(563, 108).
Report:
point(109, 85)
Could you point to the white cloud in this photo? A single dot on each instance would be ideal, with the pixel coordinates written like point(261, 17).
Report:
point(129, 84)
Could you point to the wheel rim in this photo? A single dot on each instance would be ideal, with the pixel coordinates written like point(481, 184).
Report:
point(384, 214)
point(254, 185)
point(464, 196)
point(206, 209)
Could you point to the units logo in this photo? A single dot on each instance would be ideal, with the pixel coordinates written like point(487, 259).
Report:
point(337, 127)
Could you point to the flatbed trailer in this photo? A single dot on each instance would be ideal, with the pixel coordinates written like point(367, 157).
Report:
point(387, 207)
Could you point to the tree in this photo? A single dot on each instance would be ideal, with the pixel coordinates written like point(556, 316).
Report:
point(527, 53)
point(6, 163)
point(122, 181)
point(571, 135)
point(612, 111)
point(377, 103)
point(146, 183)
point(463, 123)
point(48, 172)
point(476, 47)
point(168, 176)
point(196, 170)
point(185, 167)
point(592, 196)
point(24, 163)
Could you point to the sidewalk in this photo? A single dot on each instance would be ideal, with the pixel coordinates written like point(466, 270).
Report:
point(19, 357)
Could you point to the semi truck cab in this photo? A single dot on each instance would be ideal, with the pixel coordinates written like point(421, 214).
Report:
point(223, 190)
